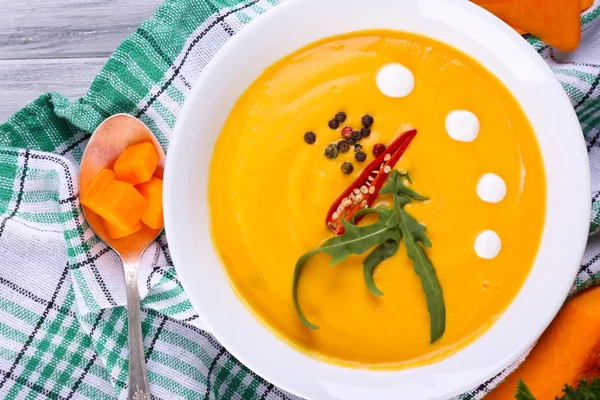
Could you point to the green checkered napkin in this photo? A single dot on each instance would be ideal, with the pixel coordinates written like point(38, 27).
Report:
point(63, 325)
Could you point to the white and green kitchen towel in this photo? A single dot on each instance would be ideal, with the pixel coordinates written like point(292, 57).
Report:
point(63, 332)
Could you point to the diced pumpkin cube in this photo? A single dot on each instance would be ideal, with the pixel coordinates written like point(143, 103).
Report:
point(152, 192)
point(137, 163)
point(93, 191)
point(115, 232)
point(121, 205)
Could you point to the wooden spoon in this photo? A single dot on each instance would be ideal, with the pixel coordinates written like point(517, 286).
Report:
point(108, 141)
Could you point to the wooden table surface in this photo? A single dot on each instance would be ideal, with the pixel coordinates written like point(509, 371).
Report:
point(60, 45)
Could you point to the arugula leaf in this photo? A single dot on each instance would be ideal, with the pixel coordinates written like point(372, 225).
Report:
point(414, 240)
point(397, 187)
point(523, 392)
point(385, 234)
point(358, 239)
point(585, 391)
point(385, 250)
point(355, 240)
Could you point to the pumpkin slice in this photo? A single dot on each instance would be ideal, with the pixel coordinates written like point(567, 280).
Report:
point(91, 195)
point(556, 22)
point(152, 192)
point(568, 351)
point(121, 205)
point(520, 31)
point(585, 4)
point(137, 163)
point(115, 232)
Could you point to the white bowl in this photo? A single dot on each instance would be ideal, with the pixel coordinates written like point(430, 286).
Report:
point(295, 24)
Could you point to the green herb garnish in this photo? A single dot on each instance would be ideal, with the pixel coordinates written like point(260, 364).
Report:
point(355, 240)
point(396, 186)
point(585, 391)
point(383, 251)
point(385, 235)
point(523, 392)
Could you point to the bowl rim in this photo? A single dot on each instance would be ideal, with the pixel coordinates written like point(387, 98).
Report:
point(475, 374)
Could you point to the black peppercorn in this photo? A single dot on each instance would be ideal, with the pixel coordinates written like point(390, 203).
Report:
point(357, 147)
point(367, 120)
point(310, 137)
point(343, 146)
point(340, 117)
point(356, 135)
point(331, 151)
point(347, 167)
point(333, 124)
point(351, 141)
point(360, 156)
point(365, 132)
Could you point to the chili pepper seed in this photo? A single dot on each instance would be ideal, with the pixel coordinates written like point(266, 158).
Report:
point(340, 117)
point(378, 149)
point(331, 151)
point(333, 124)
point(310, 137)
point(367, 120)
point(343, 146)
point(365, 132)
point(347, 169)
point(360, 156)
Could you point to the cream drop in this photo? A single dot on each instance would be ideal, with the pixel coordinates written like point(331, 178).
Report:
point(488, 245)
point(462, 125)
point(395, 80)
point(491, 188)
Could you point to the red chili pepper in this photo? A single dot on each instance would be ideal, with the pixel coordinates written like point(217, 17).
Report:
point(362, 193)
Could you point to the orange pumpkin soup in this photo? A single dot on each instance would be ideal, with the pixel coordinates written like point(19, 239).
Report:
point(270, 191)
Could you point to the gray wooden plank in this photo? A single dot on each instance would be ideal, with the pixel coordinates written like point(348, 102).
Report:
point(22, 81)
point(68, 28)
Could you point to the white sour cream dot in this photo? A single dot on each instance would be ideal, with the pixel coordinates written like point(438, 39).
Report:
point(491, 188)
point(395, 80)
point(487, 245)
point(462, 125)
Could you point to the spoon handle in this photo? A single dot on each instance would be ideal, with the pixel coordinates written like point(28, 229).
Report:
point(138, 379)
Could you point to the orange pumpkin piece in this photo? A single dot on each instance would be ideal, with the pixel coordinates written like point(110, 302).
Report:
point(152, 192)
point(137, 163)
point(90, 195)
point(556, 22)
point(115, 232)
point(585, 4)
point(519, 30)
point(568, 351)
point(120, 204)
